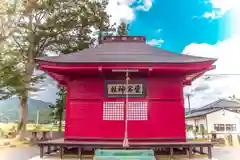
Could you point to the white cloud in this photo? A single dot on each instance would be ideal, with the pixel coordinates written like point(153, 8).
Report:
point(120, 10)
point(48, 89)
point(49, 94)
point(147, 4)
point(51, 53)
point(220, 7)
point(220, 85)
point(212, 15)
point(159, 30)
point(226, 51)
point(155, 42)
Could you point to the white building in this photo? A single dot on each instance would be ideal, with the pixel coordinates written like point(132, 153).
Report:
point(221, 117)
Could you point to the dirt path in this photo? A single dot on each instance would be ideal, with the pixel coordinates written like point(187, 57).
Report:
point(28, 153)
point(226, 153)
point(18, 153)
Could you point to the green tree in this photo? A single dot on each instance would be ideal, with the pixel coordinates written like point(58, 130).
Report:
point(102, 26)
point(7, 12)
point(24, 45)
point(122, 29)
point(59, 108)
point(41, 26)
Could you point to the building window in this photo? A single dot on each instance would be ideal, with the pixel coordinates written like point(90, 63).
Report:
point(113, 111)
point(189, 127)
point(137, 111)
point(231, 127)
point(219, 127)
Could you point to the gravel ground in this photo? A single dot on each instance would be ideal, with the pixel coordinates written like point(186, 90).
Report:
point(31, 153)
point(18, 153)
point(226, 153)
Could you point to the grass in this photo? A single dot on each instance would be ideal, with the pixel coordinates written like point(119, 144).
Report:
point(11, 127)
point(30, 127)
point(14, 143)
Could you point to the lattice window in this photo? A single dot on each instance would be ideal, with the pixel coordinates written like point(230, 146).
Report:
point(113, 111)
point(137, 111)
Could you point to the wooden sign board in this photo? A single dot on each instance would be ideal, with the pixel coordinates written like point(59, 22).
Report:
point(118, 89)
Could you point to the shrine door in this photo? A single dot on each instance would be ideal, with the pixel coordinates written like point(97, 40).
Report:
point(114, 116)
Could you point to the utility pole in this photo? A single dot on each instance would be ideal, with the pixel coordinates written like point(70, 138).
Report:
point(189, 104)
point(37, 117)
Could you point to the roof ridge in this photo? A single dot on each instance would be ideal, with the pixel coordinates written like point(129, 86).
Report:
point(233, 100)
point(210, 104)
point(205, 112)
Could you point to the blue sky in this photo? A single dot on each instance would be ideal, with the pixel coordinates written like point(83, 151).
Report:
point(181, 23)
point(209, 28)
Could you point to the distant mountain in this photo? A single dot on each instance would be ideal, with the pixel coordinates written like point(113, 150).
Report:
point(9, 110)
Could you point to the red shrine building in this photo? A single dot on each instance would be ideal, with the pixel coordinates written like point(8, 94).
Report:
point(98, 89)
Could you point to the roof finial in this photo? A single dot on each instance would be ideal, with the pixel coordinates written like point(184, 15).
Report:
point(124, 39)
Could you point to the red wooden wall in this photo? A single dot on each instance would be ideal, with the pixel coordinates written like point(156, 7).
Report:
point(165, 114)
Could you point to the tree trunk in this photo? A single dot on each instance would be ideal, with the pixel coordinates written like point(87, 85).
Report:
point(29, 68)
point(23, 117)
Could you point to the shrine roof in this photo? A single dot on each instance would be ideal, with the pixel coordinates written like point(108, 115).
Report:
point(124, 49)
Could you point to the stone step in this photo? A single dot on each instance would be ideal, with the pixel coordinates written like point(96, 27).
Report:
point(106, 152)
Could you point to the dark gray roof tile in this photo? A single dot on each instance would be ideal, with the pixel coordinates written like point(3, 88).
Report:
point(202, 113)
point(123, 52)
point(214, 106)
point(222, 103)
